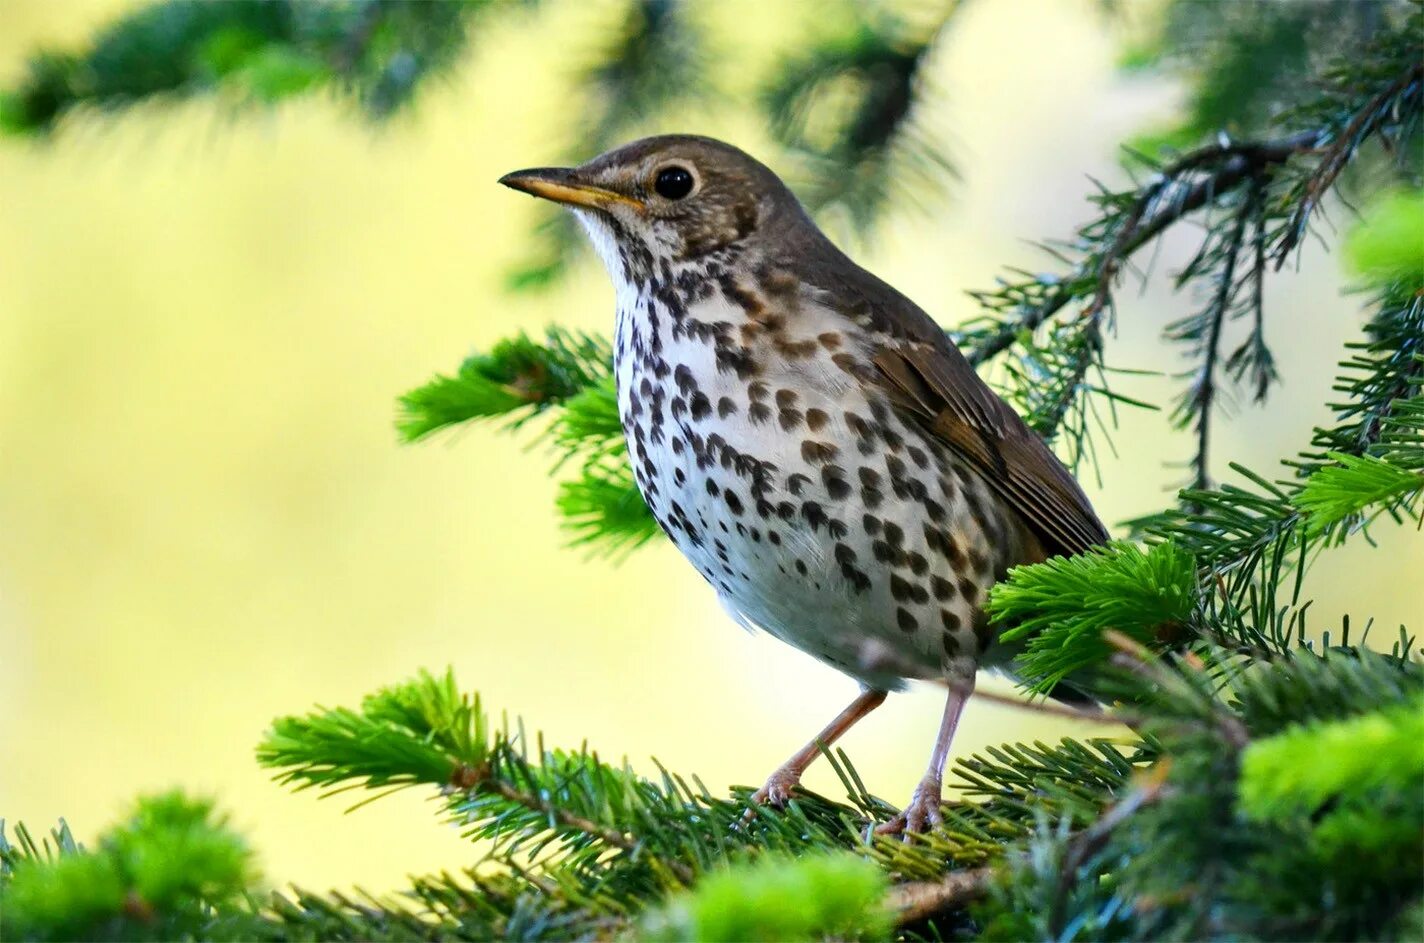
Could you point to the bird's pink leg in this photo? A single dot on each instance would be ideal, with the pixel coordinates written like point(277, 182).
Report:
point(780, 783)
point(923, 811)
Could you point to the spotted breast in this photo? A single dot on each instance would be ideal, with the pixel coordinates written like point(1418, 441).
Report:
point(790, 483)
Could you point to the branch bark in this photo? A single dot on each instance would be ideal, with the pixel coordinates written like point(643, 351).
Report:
point(915, 901)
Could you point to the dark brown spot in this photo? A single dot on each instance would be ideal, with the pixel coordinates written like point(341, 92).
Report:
point(816, 419)
point(734, 503)
point(899, 588)
point(789, 419)
point(814, 514)
point(830, 340)
point(943, 588)
point(701, 406)
point(871, 524)
point(818, 453)
point(725, 407)
point(968, 590)
point(950, 641)
point(785, 399)
point(906, 621)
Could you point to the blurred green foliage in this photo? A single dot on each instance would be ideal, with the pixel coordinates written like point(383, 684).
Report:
point(376, 51)
point(159, 874)
point(1388, 242)
point(815, 897)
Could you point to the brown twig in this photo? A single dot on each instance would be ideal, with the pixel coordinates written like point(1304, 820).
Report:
point(1051, 708)
point(1335, 158)
point(915, 901)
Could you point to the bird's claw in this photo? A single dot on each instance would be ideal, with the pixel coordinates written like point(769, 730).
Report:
point(919, 816)
point(776, 792)
point(778, 788)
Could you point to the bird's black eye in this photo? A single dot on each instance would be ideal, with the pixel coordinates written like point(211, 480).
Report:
point(673, 182)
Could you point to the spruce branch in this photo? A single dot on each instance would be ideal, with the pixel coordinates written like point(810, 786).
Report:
point(1059, 610)
point(1202, 331)
point(1128, 221)
point(570, 375)
point(517, 379)
point(1393, 110)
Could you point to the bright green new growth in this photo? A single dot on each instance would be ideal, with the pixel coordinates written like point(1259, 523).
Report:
point(569, 375)
point(1061, 608)
point(818, 897)
point(1337, 492)
point(518, 378)
point(1299, 771)
point(423, 731)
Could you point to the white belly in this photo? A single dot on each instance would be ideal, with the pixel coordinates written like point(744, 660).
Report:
point(817, 514)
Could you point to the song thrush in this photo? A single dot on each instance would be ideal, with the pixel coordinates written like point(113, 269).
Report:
point(809, 439)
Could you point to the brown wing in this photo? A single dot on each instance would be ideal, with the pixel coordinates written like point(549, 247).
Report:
point(927, 376)
point(937, 385)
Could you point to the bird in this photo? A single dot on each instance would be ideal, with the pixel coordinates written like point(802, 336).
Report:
point(808, 437)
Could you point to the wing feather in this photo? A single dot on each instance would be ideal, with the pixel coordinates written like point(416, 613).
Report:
point(937, 385)
point(927, 377)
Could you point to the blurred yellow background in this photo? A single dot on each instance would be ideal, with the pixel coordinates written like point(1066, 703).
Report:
point(205, 519)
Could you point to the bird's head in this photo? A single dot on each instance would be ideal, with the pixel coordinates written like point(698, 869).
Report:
point(673, 198)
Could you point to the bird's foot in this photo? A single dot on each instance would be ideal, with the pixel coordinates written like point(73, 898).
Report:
point(776, 792)
point(778, 788)
point(922, 814)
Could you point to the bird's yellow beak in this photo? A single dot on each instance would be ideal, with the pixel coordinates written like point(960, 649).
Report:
point(562, 185)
